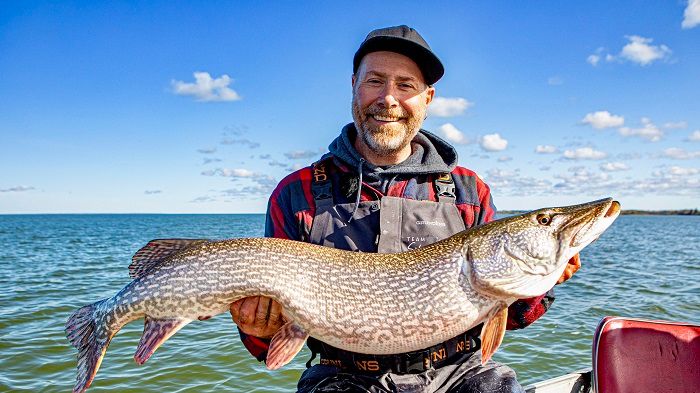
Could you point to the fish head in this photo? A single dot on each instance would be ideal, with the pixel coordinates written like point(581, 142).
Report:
point(524, 256)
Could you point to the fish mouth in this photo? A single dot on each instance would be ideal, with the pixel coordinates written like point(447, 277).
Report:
point(614, 209)
point(592, 222)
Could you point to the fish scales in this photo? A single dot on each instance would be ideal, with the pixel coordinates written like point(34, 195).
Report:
point(361, 302)
point(362, 283)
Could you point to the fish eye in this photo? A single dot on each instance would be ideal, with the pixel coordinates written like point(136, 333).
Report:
point(544, 219)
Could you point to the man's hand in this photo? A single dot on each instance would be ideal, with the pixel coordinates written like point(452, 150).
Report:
point(257, 316)
point(571, 268)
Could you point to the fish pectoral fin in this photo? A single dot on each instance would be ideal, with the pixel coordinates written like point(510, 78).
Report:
point(493, 331)
point(155, 333)
point(285, 344)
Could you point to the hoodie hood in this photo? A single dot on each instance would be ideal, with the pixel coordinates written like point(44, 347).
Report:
point(429, 154)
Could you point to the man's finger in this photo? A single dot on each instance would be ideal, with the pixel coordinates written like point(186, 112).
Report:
point(236, 310)
point(262, 312)
point(247, 310)
point(275, 312)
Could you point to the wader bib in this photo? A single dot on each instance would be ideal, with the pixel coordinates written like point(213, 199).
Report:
point(390, 224)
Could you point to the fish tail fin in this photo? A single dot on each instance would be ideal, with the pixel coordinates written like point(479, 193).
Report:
point(87, 330)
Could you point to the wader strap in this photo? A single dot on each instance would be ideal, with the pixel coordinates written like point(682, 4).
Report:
point(321, 187)
point(445, 188)
point(436, 356)
point(311, 359)
point(316, 347)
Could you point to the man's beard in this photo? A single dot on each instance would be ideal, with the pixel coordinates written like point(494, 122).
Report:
point(386, 139)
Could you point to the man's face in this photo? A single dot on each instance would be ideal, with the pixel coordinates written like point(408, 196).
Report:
point(389, 101)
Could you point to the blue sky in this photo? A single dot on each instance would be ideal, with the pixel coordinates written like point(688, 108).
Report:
point(203, 106)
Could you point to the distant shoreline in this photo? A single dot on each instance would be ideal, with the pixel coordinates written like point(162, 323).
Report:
point(632, 212)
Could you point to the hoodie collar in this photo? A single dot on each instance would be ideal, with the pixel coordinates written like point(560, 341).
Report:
point(429, 154)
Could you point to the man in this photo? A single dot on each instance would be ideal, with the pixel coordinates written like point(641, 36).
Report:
point(386, 186)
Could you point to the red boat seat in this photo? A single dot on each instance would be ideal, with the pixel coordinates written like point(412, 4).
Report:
point(643, 356)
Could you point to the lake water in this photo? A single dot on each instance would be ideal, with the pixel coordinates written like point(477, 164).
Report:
point(643, 266)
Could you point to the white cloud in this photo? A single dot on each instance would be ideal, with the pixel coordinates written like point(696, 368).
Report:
point(639, 50)
point(206, 88)
point(513, 183)
point(253, 191)
point(203, 199)
point(581, 176)
point(603, 119)
point(17, 189)
point(546, 149)
point(297, 154)
point(584, 153)
point(695, 136)
point(648, 131)
point(493, 142)
point(208, 160)
point(505, 158)
point(453, 134)
point(237, 172)
point(691, 15)
point(680, 154)
point(580, 180)
point(240, 141)
point(680, 171)
point(226, 172)
point(674, 125)
point(614, 167)
point(593, 60)
point(152, 192)
point(448, 107)
point(211, 150)
point(236, 129)
point(502, 174)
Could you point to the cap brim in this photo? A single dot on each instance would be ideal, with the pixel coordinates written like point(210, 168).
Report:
point(429, 64)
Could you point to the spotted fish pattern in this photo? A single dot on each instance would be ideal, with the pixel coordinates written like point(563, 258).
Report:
point(360, 302)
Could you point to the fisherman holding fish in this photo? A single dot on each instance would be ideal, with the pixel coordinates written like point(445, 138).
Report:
point(380, 319)
point(387, 186)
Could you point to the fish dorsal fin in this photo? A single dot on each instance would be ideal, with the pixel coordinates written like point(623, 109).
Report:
point(153, 253)
point(493, 331)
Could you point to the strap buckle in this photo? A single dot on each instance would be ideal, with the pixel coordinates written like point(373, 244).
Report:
point(322, 191)
point(445, 187)
point(414, 362)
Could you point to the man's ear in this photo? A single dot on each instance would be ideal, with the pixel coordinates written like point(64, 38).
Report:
point(429, 94)
point(354, 79)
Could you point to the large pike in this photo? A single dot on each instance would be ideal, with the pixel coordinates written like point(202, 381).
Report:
point(361, 302)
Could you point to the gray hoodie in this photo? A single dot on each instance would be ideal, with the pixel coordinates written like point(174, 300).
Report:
point(429, 154)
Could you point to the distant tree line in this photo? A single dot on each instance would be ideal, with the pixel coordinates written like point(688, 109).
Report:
point(683, 212)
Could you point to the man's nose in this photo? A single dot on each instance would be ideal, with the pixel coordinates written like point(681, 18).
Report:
point(388, 96)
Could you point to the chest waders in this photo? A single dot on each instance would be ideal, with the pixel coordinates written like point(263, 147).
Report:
point(390, 224)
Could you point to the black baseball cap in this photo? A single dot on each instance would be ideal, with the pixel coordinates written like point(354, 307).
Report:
point(406, 41)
